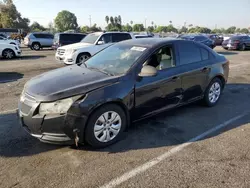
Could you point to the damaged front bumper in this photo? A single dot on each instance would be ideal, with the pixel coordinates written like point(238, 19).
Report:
point(55, 129)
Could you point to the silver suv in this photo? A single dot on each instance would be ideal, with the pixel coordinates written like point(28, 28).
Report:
point(36, 41)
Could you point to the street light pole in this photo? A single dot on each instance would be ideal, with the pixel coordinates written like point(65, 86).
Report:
point(89, 20)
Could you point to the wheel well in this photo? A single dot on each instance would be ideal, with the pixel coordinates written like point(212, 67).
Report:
point(120, 104)
point(222, 79)
point(84, 53)
point(12, 43)
point(8, 49)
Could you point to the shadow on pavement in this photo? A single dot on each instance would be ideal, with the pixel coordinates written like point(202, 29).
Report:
point(30, 57)
point(6, 77)
point(227, 53)
point(166, 129)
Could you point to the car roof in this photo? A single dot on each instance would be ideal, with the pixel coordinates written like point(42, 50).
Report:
point(102, 32)
point(149, 42)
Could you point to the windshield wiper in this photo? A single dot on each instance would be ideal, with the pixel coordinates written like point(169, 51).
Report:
point(100, 70)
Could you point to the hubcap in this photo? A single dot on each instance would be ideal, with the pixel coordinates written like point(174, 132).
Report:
point(36, 46)
point(214, 92)
point(8, 54)
point(83, 58)
point(107, 126)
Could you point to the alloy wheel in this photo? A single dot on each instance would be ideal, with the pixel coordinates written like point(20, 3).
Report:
point(83, 58)
point(214, 92)
point(107, 126)
point(8, 54)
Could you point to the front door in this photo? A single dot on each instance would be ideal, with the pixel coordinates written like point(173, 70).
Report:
point(153, 94)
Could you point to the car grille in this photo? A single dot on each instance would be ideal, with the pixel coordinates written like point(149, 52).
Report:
point(60, 51)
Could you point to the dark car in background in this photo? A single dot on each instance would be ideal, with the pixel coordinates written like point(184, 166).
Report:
point(62, 39)
point(237, 43)
point(216, 38)
point(95, 102)
point(199, 38)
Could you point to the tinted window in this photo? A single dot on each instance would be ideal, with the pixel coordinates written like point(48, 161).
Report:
point(106, 38)
point(1, 38)
point(200, 38)
point(204, 54)
point(189, 53)
point(117, 37)
point(91, 38)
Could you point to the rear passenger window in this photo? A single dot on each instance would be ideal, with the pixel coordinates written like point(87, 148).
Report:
point(204, 54)
point(120, 37)
point(189, 53)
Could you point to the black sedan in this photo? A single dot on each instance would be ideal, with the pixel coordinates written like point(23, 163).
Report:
point(95, 102)
point(199, 38)
point(237, 43)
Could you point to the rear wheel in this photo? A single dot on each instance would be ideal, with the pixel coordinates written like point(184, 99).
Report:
point(8, 54)
point(82, 58)
point(105, 126)
point(213, 92)
point(36, 46)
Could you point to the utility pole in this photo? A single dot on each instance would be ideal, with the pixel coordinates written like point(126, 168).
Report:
point(145, 23)
point(89, 20)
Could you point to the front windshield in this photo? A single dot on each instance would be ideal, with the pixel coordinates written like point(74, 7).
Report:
point(91, 38)
point(116, 59)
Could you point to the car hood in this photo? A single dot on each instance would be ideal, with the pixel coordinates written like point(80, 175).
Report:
point(77, 45)
point(66, 82)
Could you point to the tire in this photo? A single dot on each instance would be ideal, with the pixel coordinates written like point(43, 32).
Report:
point(98, 129)
point(8, 54)
point(243, 47)
point(81, 58)
point(36, 46)
point(213, 92)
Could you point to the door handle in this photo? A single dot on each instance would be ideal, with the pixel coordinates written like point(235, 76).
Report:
point(205, 69)
point(175, 78)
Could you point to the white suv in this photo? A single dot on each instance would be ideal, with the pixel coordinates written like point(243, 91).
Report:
point(79, 52)
point(9, 41)
point(9, 51)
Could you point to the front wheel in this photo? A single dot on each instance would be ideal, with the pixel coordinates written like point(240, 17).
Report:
point(8, 54)
point(82, 58)
point(213, 92)
point(105, 126)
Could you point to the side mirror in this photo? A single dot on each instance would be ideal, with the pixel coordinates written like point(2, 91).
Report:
point(100, 42)
point(148, 70)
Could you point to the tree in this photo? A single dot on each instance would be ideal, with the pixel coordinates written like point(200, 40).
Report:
point(66, 20)
point(112, 20)
point(94, 28)
point(11, 18)
point(151, 28)
point(131, 22)
point(127, 28)
point(183, 29)
point(216, 31)
point(138, 27)
point(51, 27)
point(244, 30)
point(35, 26)
point(115, 20)
point(119, 19)
point(237, 30)
point(152, 23)
point(107, 19)
point(85, 29)
point(231, 30)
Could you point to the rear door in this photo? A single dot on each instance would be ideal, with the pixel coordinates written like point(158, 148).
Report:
point(194, 62)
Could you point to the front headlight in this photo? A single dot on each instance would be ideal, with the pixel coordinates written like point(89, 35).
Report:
point(71, 51)
point(57, 107)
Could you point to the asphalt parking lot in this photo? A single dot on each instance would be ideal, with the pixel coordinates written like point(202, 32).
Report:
point(192, 146)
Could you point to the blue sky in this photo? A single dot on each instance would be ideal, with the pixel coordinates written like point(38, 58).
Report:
point(223, 13)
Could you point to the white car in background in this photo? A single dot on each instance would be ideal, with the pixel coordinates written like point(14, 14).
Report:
point(79, 52)
point(9, 51)
point(9, 41)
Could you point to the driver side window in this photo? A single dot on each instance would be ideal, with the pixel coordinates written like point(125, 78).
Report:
point(162, 59)
point(106, 38)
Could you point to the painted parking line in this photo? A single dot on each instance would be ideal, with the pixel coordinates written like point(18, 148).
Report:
point(142, 168)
